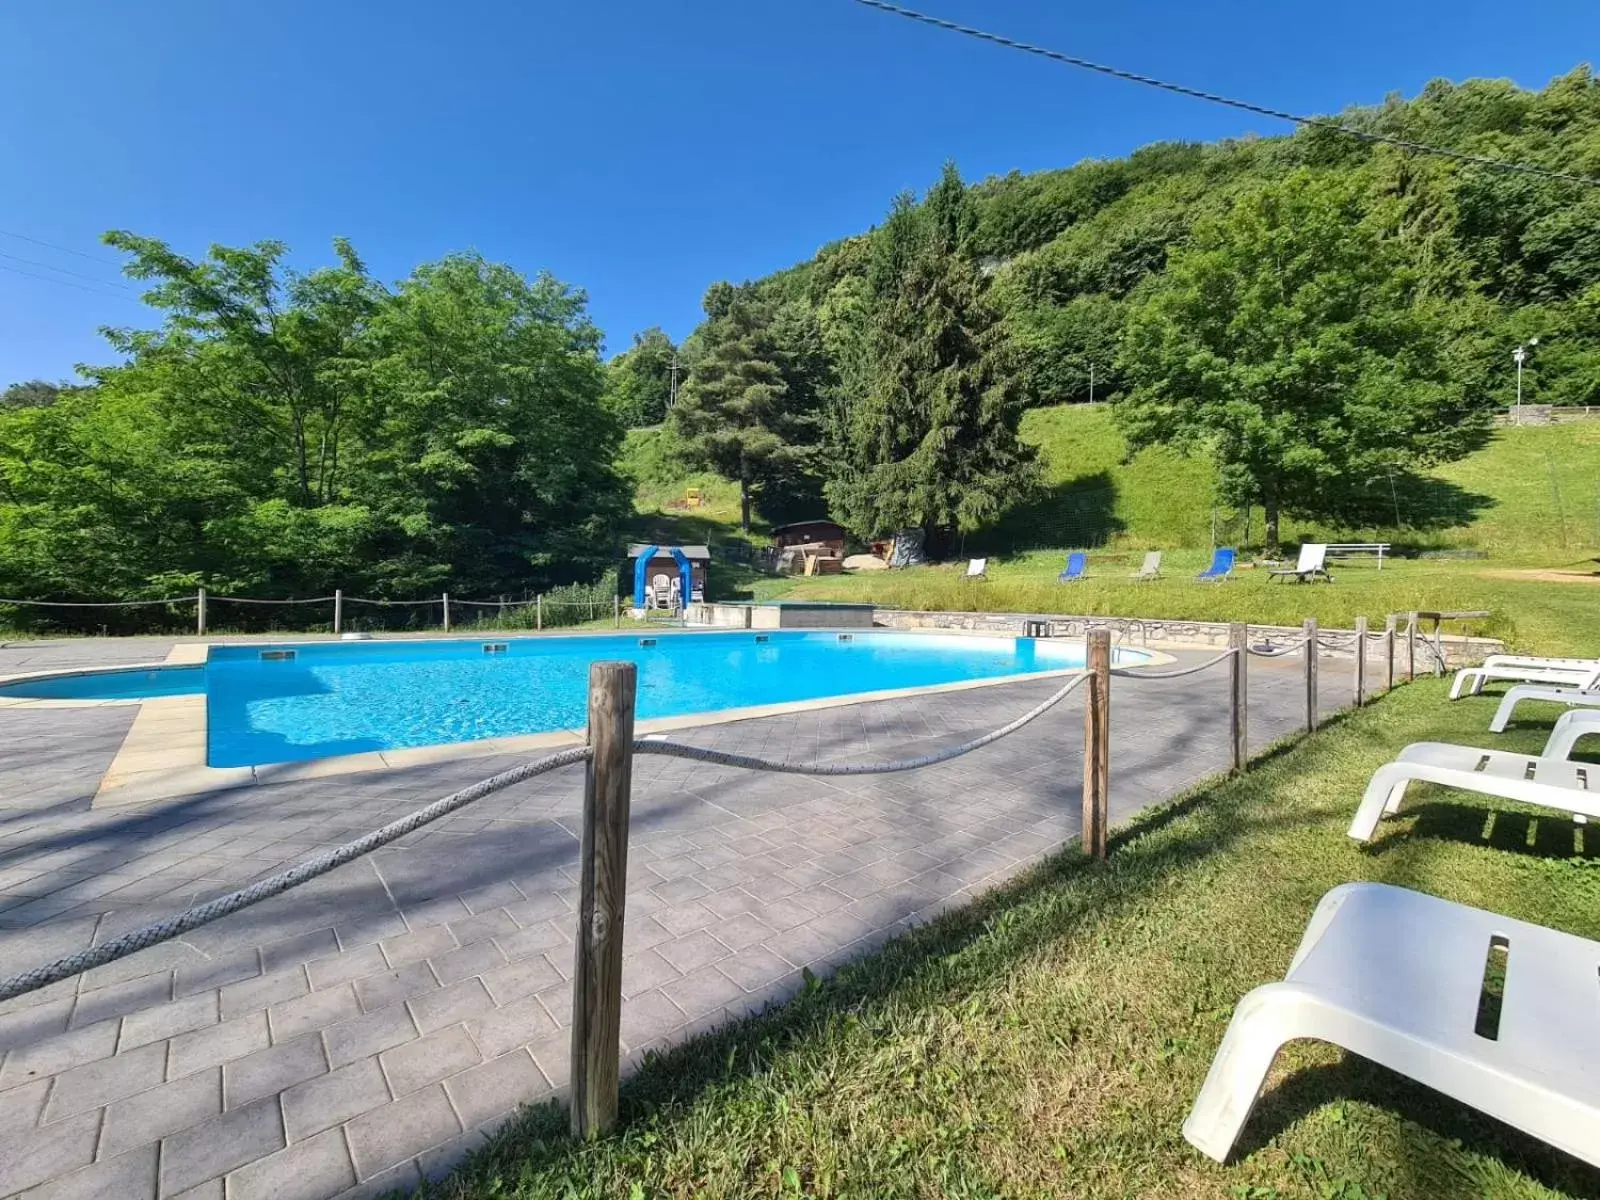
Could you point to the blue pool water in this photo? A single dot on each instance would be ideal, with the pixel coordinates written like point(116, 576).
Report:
point(346, 698)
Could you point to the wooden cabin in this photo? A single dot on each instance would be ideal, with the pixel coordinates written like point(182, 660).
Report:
point(821, 533)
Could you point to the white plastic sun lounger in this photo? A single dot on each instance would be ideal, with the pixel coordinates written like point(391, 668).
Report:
point(1397, 977)
point(1573, 697)
point(1572, 672)
point(1313, 561)
point(1569, 727)
point(977, 568)
point(1547, 782)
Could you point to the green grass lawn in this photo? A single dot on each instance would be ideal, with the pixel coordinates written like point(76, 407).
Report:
point(1049, 1039)
point(1528, 613)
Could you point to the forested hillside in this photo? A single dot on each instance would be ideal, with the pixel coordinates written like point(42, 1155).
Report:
point(1325, 318)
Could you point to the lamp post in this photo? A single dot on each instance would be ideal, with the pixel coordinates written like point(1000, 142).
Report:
point(1520, 356)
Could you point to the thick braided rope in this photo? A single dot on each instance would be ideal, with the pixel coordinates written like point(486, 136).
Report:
point(724, 759)
point(1281, 651)
point(249, 600)
point(100, 603)
point(1177, 673)
point(203, 914)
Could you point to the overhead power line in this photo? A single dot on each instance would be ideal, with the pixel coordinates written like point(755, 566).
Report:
point(22, 237)
point(1497, 164)
point(33, 262)
point(82, 287)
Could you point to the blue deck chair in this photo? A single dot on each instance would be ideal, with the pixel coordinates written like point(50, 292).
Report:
point(1074, 569)
point(1221, 566)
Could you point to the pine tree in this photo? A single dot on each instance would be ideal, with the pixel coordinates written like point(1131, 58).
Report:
point(733, 415)
point(932, 442)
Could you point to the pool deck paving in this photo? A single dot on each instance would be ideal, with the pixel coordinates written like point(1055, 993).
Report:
point(369, 1028)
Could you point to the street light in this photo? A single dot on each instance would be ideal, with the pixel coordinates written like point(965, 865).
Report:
point(1520, 356)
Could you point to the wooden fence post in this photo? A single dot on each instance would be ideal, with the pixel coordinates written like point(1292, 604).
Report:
point(1361, 661)
point(200, 612)
point(616, 612)
point(538, 611)
point(1239, 696)
point(1311, 674)
point(1411, 647)
point(447, 612)
point(1097, 744)
point(602, 885)
point(1389, 623)
point(338, 609)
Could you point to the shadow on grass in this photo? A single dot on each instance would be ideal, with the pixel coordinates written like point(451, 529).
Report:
point(1080, 513)
point(1355, 1080)
point(1541, 834)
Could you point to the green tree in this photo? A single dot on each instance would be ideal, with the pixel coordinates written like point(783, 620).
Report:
point(734, 415)
point(1290, 340)
point(931, 441)
point(639, 380)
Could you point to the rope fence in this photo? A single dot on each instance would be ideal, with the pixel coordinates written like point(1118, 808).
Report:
point(607, 755)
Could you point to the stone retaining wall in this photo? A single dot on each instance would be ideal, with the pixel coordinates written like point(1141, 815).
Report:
point(1160, 632)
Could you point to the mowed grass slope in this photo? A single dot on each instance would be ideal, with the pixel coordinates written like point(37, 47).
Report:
point(1049, 1040)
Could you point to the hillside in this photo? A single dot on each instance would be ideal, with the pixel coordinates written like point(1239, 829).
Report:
point(1530, 497)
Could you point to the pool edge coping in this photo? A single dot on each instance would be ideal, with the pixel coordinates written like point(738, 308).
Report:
point(163, 754)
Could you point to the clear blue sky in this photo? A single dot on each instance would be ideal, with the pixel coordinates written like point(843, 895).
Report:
point(638, 149)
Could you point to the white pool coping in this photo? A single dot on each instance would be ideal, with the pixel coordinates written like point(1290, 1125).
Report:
point(163, 755)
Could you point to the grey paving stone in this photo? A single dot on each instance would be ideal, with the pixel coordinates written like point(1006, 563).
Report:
point(252, 994)
point(301, 948)
point(470, 960)
point(641, 972)
point(695, 950)
point(371, 1033)
point(148, 1116)
point(120, 999)
point(313, 1169)
point(334, 1098)
point(351, 965)
point(402, 1130)
point(21, 1107)
point(215, 1147)
point(59, 1053)
point(450, 1005)
point(217, 1044)
point(515, 1024)
point(521, 978)
point(703, 991)
point(495, 1088)
point(99, 1083)
point(34, 1156)
point(306, 1013)
point(168, 1021)
point(270, 1071)
point(35, 1023)
point(403, 1178)
point(490, 924)
point(648, 1017)
point(429, 1059)
point(130, 1176)
point(539, 937)
point(204, 976)
point(381, 991)
point(424, 943)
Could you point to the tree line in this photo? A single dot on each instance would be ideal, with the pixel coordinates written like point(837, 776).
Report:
point(283, 433)
point(1320, 314)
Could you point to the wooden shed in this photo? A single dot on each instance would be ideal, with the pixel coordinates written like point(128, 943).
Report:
point(819, 532)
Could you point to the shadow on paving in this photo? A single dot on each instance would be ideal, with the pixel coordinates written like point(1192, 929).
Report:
point(945, 963)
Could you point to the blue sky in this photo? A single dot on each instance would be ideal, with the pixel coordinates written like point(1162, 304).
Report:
point(638, 149)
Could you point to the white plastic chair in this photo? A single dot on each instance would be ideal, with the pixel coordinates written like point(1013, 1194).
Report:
point(1545, 782)
point(661, 592)
point(1569, 727)
point(1573, 672)
point(1396, 977)
point(1572, 697)
point(1313, 561)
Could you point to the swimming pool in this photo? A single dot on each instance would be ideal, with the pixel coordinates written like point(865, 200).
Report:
point(282, 703)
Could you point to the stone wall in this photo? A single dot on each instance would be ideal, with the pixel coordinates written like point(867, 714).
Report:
point(1159, 633)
